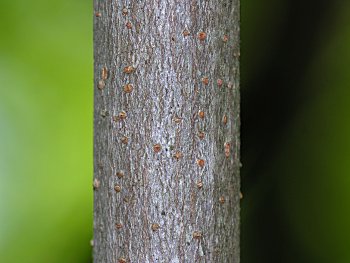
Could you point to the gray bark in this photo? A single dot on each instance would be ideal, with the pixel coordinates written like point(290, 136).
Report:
point(166, 146)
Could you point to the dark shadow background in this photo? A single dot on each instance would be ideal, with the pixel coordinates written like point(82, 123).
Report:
point(295, 88)
point(295, 140)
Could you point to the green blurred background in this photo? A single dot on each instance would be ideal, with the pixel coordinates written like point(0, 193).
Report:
point(295, 60)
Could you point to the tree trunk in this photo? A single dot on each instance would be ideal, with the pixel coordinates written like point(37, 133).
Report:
point(166, 131)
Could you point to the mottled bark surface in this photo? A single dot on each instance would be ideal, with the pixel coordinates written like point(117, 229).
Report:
point(166, 147)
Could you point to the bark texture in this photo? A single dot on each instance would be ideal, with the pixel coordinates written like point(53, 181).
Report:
point(166, 131)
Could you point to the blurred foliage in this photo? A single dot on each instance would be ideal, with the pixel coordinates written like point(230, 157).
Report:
point(295, 142)
point(46, 131)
